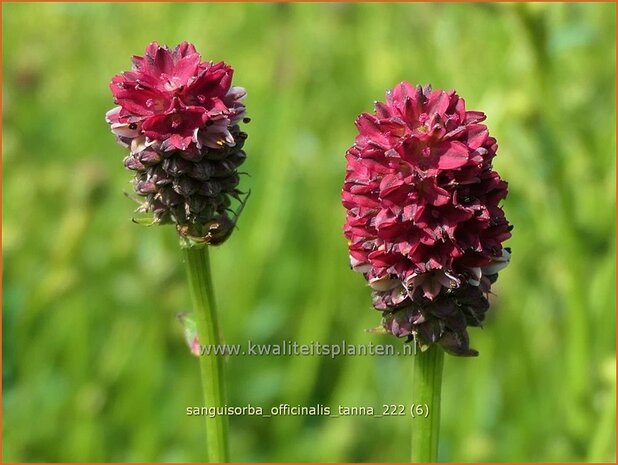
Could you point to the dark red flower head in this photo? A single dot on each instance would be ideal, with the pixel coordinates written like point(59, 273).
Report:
point(180, 117)
point(423, 220)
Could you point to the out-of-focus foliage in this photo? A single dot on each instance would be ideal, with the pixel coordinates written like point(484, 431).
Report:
point(94, 365)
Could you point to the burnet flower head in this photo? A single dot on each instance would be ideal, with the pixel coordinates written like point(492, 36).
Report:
point(424, 222)
point(179, 117)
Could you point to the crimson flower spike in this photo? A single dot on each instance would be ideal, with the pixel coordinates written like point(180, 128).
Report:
point(424, 222)
point(179, 117)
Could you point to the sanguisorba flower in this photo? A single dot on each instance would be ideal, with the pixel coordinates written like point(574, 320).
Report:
point(180, 116)
point(424, 222)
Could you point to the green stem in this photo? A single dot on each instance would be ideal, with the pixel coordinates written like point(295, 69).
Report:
point(426, 388)
point(211, 365)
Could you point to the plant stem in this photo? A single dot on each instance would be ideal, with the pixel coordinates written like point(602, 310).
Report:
point(426, 388)
point(211, 365)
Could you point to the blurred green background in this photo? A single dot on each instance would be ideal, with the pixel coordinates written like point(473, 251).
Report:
point(94, 364)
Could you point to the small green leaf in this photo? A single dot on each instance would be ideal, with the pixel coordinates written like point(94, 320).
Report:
point(190, 329)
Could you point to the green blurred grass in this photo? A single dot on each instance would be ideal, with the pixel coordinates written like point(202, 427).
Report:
point(94, 365)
